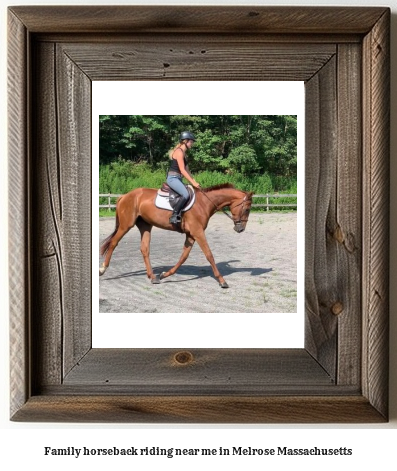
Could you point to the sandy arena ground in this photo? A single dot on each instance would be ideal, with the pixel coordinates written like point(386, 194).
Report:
point(259, 265)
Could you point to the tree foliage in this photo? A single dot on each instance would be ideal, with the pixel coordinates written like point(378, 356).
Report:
point(248, 145)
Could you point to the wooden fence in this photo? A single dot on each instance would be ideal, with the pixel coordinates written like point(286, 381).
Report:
point(267, 205)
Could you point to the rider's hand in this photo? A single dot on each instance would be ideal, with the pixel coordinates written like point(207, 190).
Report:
point(196, 185)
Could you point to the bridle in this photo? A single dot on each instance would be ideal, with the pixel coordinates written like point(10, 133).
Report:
point(236, 222)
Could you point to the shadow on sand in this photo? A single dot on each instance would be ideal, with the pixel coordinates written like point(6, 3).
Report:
point(195, 272)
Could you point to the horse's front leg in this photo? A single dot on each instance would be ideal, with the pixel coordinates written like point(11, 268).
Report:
point(189, 242)
point(202, 241)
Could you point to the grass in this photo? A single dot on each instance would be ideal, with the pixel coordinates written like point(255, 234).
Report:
point(103, 213)
point(288, 293)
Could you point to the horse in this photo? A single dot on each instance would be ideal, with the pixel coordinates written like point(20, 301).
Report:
point(137, 208)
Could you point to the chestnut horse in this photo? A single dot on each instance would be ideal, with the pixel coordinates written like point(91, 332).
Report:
point(137, 208)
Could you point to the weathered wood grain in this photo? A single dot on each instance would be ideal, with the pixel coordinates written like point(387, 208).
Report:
point(205, 60)
point(74, 109)
point(346, 228)
point(333, 215)
point(63, 251)
point(19, 227)
point(341, 375)
point(227, 369)
point(199, 19)
point(47, 296)
point(321, 279)
point(194, 38)
point(376, 105)
point(198, 409)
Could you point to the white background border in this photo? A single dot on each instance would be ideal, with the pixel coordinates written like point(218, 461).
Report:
point(227, 330)
point(22, 443)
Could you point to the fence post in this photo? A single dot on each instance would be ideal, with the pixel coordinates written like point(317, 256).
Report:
point(267, 202)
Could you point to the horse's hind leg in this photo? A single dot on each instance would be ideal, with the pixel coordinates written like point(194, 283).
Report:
point(145, 229)
point(126, 216)
point(121, 232)
point(189, 242)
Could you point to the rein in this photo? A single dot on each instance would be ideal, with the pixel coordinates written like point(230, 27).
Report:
point(224, 210)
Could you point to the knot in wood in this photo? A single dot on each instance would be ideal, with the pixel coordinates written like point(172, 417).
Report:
point(183, 358)
point(338, 235)
point(337, 308)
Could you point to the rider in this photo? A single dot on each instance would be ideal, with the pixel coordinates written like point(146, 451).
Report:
point(179, 168)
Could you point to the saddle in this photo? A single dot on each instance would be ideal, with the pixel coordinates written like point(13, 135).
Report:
point(167, 198)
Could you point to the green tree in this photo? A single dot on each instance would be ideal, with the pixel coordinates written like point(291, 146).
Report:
point(251, 144)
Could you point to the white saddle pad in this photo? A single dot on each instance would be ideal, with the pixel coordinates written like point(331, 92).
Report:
point(162, 202)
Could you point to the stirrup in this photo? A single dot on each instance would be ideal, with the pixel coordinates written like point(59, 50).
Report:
point(175, 218)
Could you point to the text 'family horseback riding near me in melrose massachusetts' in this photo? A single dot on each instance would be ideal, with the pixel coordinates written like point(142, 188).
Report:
point(175, 452)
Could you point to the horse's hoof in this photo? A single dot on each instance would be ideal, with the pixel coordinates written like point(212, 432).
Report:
point(156, 280)
point(224, 285)
point(162, 275)
point(102, 271)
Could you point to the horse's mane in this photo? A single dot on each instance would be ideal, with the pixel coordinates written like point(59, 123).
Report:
point(218, 187)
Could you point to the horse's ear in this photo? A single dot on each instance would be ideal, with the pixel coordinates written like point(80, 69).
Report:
point(250, 194)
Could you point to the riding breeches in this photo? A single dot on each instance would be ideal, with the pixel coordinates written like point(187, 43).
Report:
point(176, 184)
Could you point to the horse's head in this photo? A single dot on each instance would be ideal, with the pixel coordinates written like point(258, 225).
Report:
point(240, 209)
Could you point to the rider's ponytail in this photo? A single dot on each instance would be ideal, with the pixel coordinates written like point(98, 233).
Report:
point(178, 146)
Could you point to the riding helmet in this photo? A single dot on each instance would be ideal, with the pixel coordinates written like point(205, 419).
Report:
point(186, 135)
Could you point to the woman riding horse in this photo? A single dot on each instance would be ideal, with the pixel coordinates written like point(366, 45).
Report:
point(137, 208)
point(179, 168)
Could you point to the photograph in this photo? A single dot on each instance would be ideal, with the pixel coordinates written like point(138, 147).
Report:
point(199, 213)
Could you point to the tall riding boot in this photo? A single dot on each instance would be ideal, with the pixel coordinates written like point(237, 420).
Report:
point(176, 214)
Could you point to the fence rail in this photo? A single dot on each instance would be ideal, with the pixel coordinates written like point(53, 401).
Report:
point(267, 205)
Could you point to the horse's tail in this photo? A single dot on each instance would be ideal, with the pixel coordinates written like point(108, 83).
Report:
point(105, 244)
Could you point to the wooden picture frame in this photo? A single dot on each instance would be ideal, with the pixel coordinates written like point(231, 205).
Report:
point(342, 54)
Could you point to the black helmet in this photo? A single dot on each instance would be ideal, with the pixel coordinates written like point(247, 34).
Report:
point(186, 135)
